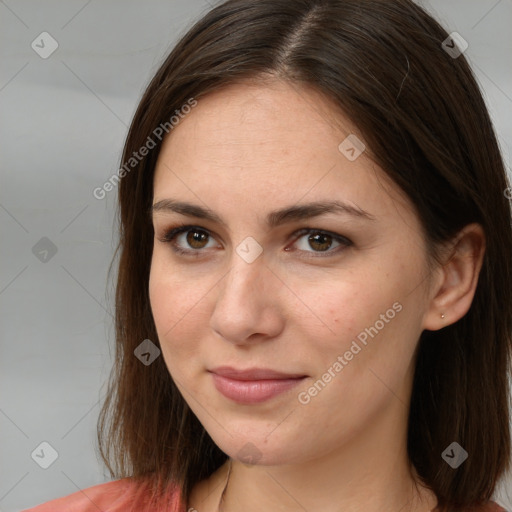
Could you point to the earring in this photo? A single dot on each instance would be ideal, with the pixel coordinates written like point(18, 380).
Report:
point(442, 315)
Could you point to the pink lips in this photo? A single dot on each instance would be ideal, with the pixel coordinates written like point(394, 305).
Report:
point(253, 385)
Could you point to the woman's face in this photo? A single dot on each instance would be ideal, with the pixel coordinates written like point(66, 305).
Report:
point(333, 299)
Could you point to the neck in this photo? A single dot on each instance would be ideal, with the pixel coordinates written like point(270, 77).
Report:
point(366, 473)
point(289, 489)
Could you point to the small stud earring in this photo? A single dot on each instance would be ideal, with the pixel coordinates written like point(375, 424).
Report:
point(442, 315)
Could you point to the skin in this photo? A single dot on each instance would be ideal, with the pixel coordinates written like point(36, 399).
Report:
point(242, 152)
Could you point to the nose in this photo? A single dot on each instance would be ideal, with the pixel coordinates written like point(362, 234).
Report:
point(247, 307)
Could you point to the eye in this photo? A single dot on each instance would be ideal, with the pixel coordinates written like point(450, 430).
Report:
point(192, 236)
point(321, 241)
point(189, 240)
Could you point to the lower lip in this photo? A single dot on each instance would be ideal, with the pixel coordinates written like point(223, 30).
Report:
point(253, 391)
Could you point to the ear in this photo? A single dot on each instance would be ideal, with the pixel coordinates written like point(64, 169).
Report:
point(454, 289)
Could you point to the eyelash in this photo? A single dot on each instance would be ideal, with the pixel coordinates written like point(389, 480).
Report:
point(172, 233)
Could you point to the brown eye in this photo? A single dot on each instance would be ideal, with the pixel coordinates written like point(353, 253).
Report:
point(196, 238)
point(187, 239)
point(190, 240)
point(320, 241)
point(315, 241)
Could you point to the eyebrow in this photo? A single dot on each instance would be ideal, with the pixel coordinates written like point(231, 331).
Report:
point(274, 218)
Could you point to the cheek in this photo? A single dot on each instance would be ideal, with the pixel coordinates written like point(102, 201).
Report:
point(176, 306)
point(161, 297)
point(345, 307)
point(373, 319)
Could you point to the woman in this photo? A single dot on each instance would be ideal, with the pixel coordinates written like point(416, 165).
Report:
point(313, 298)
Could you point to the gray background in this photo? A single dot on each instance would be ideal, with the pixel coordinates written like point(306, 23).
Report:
point(62, 125)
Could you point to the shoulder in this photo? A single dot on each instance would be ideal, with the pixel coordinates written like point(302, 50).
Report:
point(493, 507)
point(488, 507)
point(116, 496)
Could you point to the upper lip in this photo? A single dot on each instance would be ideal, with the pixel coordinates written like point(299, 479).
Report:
point(253, 373)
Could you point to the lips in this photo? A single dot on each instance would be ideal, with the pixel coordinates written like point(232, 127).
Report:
point(253, 385)
point(254, 374)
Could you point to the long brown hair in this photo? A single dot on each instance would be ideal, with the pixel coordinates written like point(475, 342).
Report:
point(426, 125)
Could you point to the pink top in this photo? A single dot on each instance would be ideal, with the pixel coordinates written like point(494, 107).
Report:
point(126, 495)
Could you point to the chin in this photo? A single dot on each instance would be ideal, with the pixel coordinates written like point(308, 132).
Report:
point(260, 448)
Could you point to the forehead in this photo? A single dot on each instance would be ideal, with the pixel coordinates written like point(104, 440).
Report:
point(274, 116)
point(273, 142)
